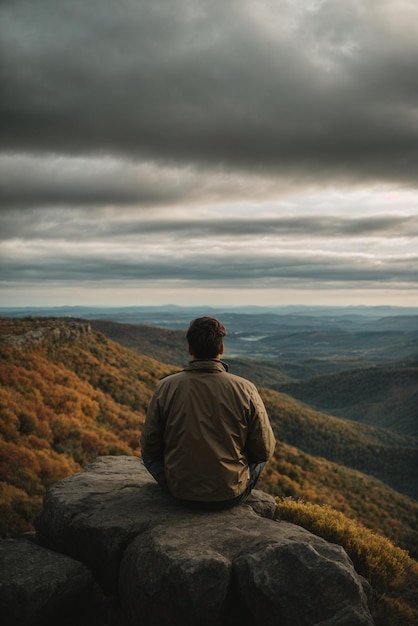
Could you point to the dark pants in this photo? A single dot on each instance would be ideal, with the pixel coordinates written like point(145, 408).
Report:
point(156, 469)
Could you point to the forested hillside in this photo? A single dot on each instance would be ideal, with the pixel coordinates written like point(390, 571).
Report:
point(62, 403)
point(378, 452)
point(385, 396)
point(66, 399)
point(165, 345)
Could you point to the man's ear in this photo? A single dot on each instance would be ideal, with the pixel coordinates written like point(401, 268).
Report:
point(221, 351)
point(190, 351)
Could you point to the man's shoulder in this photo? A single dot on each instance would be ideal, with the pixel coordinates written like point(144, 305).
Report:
point(170, 378)
point(240, 381)
point(233, 379)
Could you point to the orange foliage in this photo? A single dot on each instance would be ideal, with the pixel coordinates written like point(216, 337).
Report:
point(62, 405)
point(17, 510)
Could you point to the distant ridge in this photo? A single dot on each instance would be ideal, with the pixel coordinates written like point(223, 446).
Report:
point(112, 311)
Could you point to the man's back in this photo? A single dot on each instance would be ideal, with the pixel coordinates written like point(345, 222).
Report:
point(213, 423)
point(207, 434)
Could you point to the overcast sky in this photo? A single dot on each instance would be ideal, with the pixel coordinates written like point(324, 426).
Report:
point(218, 152)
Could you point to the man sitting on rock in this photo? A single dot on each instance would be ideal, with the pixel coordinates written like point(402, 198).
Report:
point(207, 435)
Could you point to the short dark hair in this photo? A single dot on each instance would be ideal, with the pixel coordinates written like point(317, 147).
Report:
point(205, 337)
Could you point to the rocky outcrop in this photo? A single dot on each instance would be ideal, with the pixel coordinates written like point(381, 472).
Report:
point(39, 586)
point(167, 564)
point(54, 331)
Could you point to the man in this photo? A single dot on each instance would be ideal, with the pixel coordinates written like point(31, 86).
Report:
point(207, 435)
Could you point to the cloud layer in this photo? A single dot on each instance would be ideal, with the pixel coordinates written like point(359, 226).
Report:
point(242, 143)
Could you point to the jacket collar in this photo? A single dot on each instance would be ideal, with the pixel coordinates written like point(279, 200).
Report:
point(207, 365)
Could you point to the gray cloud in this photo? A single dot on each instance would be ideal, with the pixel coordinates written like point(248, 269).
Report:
point(77, 225)
point(313, 89)
point(57, 181)
point(53, 180)
point(255, 271)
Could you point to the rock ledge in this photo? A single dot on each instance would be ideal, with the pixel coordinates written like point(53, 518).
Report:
point(167, 564)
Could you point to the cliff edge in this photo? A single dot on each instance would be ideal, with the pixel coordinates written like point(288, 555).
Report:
point(164, 564)
point(50, 331)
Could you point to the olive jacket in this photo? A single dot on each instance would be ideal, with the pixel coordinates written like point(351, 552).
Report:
point(208, 425)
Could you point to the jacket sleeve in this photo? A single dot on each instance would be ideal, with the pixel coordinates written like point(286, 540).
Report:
point(152, 437)
point(261, 440)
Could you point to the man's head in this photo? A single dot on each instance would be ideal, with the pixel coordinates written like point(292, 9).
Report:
point(205, 337)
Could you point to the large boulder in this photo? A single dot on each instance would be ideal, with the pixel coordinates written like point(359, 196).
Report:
point(38, 586)
point(168, 564)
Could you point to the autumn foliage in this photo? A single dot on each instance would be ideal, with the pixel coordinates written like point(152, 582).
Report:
point(62, 405)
